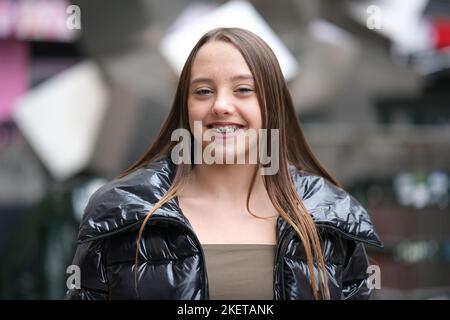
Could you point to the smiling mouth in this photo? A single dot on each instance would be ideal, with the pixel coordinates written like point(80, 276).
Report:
point(225, 129)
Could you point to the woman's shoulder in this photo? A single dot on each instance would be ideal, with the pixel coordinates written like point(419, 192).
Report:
point(333, 207)
point(124, 201)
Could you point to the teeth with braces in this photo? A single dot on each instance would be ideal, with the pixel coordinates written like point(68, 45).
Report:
point(225, 129)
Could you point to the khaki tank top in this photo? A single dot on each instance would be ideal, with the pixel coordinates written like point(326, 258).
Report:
point(240, 271)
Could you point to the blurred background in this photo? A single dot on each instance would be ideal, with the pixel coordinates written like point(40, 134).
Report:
point(86, 84)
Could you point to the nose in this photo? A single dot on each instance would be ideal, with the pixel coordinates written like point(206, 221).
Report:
point(223, 105)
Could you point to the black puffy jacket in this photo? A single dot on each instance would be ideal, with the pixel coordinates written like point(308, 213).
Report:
point(171, 264)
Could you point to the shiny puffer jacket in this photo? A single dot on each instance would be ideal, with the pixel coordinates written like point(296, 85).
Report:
point(171, 262)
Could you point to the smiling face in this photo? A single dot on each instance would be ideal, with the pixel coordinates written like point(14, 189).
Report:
point(222, 96)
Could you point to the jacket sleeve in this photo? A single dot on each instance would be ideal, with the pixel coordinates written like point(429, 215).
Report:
point(93, 283)
point(355, 273)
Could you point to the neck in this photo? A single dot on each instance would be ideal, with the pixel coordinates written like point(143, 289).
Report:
point(227, 182)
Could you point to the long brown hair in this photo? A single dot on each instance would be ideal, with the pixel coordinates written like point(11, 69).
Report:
point(277, 113)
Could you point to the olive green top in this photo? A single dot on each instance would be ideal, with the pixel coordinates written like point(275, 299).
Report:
point(240, 271)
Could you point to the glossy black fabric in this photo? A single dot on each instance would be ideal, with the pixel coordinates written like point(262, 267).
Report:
point(171, 262)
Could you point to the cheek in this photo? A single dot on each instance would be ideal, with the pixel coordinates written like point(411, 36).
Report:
point(195, 113)
point(253, 115)
point(197, 110)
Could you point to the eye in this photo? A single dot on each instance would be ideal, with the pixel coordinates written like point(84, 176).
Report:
point(244, 90)
point(203, 92)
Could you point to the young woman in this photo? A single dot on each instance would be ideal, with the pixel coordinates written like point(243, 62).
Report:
point(202, 229)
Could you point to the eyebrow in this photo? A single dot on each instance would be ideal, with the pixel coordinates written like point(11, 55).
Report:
point(233, 78)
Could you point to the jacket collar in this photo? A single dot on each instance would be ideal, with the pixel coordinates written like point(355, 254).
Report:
point(124, 202)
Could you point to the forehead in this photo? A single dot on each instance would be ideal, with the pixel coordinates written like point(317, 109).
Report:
point(219, 58)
